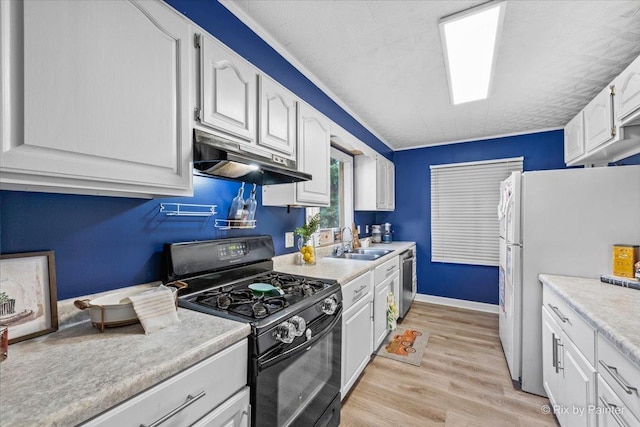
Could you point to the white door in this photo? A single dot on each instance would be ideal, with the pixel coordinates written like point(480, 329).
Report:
point(578, 387)
point(356, 342)
point(390, 190)
point(277, 118)
point(574, 138)
point(227, 90)
point(598, 124)
point(313, 156)
point(380, 311)
point(551, 357)
point(381, 185)
point(628, 91)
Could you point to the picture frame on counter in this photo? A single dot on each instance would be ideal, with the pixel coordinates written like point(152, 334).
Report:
point(28, 297)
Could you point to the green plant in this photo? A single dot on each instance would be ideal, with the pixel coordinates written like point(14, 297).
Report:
point(4, 297)
point(310, 227)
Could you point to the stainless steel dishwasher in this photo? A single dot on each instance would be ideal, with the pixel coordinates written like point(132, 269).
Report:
point(406, 284)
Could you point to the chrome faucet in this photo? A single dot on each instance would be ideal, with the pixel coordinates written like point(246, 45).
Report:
point(344, 247)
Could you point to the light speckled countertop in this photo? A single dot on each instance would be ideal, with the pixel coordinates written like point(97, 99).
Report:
point(71, 375)
point(612, 310)
point(342, 270)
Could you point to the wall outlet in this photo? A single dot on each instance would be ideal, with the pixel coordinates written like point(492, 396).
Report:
point(366, 229)
point(288, 240)
point(358, 228)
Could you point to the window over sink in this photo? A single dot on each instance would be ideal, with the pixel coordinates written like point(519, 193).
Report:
point(339, 213)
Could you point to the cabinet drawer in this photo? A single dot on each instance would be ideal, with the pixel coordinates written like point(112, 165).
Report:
point(355, 290)
point(576, 328)
point(620, 373)
point(612, 412)
point(209, 383)
point(235, 412)
point(386, 269)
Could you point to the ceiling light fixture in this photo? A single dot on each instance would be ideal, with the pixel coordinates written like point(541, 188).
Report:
point(469, 41)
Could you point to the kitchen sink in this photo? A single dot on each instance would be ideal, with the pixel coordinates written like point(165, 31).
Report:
point(363, 254)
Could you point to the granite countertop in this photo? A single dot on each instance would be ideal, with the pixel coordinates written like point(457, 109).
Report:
point(611, 310)
point(342, 270)
point(71, 375)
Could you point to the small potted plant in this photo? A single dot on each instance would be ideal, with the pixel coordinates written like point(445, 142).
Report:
point(7, 305)
point(305, 241)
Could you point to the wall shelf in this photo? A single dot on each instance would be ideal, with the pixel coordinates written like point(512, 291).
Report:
point(234, 224)
point(186, 209)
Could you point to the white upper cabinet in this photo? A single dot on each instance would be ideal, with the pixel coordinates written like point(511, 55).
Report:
point(314, 135)
point(574, 138)
point(95, 98)
point(313, 158)
point(391, 182)
point(276, 118)
point(608, 128)
point(628, 94)
point(374, 170)
point(228, 91)
point(598, 120)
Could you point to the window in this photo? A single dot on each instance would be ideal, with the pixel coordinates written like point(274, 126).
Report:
point(464, 217)
point(339, 213)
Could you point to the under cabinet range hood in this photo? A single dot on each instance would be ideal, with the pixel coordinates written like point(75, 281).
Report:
point(222, 158)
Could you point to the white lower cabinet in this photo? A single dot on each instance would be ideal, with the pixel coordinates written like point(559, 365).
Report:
point(356, 330)
point(215, 389)
point(569, 378)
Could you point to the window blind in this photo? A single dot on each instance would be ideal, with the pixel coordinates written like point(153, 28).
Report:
point(464, 214)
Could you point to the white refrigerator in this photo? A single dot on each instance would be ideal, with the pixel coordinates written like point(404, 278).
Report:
point(557, 222)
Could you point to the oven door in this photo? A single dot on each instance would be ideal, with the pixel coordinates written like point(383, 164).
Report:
point(299, 385)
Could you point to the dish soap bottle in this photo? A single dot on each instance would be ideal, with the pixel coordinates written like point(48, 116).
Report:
point(237, 205)
point(251, 206)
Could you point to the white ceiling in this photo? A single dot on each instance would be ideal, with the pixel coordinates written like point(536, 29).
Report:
point(382, 61)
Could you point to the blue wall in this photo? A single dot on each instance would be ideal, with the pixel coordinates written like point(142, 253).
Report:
point(104, 243)
point(412, 217)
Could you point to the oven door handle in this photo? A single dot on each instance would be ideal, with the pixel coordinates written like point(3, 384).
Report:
point(262, 365)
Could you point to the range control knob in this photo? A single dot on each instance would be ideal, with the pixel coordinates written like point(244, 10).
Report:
point(329, 305)
point(299, 324)
point(285, 332)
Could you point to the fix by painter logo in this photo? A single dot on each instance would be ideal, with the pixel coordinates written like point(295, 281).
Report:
point(581, 410)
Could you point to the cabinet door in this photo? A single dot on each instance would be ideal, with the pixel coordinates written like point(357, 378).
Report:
point(598, 120)
point(628, 92)
point(390, 190)
point(574, 138)
point(99, 98)
point(228, 91)
point(313, 156)
point(381, 185)
point(550, 356)
point(277, 118)
point(356, 341)
point(380, 310)
point(578, 386)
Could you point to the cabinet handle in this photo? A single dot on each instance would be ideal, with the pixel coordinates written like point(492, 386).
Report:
point(360, 289)
point(373, 311)
point(554, 352)
point(613, 371)
point(390, 270)
point(248, 414)
point(612, 92)
point(611, 409)
point(558, 313)
point(558, 366)
point(357, 298)
point(190, 400)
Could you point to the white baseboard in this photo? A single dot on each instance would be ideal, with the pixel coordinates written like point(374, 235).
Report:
point(459, 303)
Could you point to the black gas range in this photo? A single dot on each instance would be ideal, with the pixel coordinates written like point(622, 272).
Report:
point(296, 327)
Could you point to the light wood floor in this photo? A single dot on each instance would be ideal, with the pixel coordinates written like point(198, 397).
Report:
point(463, 379)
